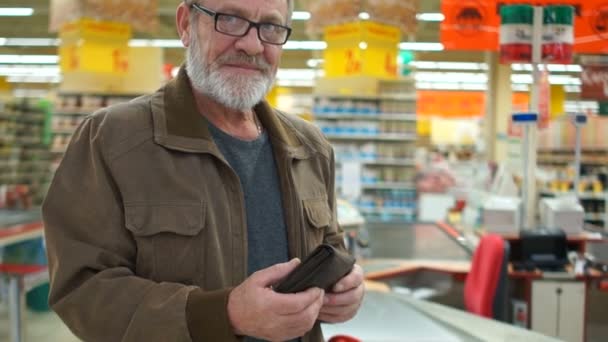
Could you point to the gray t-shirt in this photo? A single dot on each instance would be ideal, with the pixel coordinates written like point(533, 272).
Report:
point(253, 161)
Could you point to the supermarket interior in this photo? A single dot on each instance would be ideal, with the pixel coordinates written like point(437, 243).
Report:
point(470, 155)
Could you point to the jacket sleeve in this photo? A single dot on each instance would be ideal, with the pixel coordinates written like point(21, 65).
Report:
point(92, 256)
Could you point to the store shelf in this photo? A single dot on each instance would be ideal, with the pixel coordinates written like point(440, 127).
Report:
point(389, 186)
point(381, 161)
point(387, 210)
point(378, 137)
point(367, 117)
point(394, 97)
point(74, 113)
point(571, 149)
point(595, 216)
point(582, 196)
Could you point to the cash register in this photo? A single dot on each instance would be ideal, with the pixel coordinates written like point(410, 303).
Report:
point(544, 249)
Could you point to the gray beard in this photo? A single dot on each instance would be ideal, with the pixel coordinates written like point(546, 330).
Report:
point(234, 91)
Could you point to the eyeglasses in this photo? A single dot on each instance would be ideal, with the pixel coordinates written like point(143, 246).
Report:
point(236, 26)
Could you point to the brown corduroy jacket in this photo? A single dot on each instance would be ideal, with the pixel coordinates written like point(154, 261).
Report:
point(145, 220)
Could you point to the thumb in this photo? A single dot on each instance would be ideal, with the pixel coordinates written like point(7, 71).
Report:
point(271, 275)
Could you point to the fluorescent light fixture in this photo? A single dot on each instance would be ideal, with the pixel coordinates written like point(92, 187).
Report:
point(550, 67)
point(305, 45)
point(29, 59)
point(364, 16)
point(449, 65)
point(363, 45)
point(314, 62)
point(451, 77)
point(16, 11)
point(30, 93)
point(416, 46)
point(520, 87)
point(163, 43)
point(300, 15)
point(553, 79)
point(2, 41)
point(20, 70)
point(430, 17)
point(30, 42)
point(33, 79)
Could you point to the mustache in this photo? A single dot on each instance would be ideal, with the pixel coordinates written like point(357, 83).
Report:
point(243, 58)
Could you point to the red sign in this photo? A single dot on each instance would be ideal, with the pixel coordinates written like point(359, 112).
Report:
point(594, 82)
point(474, 24)
point(469, 25)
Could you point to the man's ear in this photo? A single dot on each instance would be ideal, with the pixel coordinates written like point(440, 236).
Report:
point(182, 20)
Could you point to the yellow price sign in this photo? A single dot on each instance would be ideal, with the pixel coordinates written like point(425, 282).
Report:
point(94, 46)
point(361, 48)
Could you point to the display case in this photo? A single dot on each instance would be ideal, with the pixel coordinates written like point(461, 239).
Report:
point(371, 124)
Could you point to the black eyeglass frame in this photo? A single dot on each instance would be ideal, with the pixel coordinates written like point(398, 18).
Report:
point(216, 15)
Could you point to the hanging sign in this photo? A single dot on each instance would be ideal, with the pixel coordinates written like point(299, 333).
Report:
point(469, 25)
point(363, 48)
point(474, 24)
point(94, 46)
point(594, 79)
point(544, 100)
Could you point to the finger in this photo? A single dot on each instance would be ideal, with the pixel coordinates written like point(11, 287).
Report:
point(271, 275)
point(340, 310)
point(337, 314)
point(353, 279)
point(293, 303)
point(344, 298)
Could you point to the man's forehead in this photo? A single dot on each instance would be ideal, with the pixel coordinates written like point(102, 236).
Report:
point(251, 4)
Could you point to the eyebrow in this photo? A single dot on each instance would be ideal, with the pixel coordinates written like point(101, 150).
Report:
point(272, 18)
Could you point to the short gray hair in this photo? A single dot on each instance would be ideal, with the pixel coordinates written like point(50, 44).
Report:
point(290, 6)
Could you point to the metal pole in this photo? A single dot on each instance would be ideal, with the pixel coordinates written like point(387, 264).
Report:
point(529, 202)
point(15, 302)
point(577, 159)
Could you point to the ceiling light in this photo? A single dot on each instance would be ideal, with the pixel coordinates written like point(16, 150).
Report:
point(29, 59)
point(300, 15)
point(363, 45)
point(305, 45)
point(16, 11)
point(550, 67)
point(2, 41)
point(314, 62)
point(417, 46)
point(451, 77)
point(33, 79)
point(163, 43)
point(31, 42)
point(449, 65)
point(430, 17)
point(21, 70)
point(364, 16)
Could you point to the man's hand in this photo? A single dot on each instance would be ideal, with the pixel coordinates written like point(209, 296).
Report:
point(254, 309)
point(342, 304)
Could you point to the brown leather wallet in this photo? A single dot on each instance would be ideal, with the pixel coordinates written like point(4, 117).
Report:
point(322, 268)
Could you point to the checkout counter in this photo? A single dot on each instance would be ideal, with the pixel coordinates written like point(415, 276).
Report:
point(399, 254)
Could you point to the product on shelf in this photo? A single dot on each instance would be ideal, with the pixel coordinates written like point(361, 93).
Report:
point(24, 155)
point(374, 126)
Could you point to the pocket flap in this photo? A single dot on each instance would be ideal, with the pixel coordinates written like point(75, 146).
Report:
point(317, 212)
point(145, 219)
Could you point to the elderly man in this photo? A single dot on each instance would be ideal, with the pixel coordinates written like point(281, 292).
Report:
point(171, 216)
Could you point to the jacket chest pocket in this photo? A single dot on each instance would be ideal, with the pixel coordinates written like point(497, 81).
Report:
point(169, 239)
point(318, 218)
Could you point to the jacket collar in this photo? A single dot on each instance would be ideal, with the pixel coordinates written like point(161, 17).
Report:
point(178, 124)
